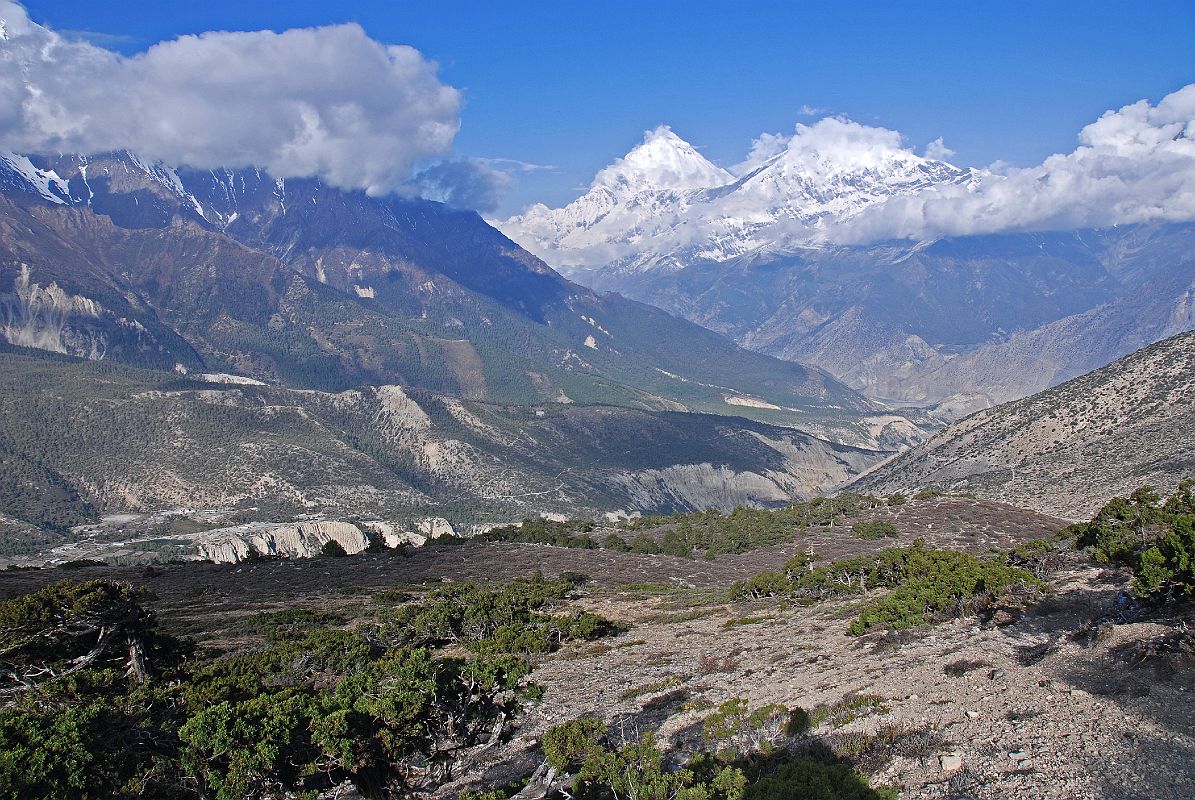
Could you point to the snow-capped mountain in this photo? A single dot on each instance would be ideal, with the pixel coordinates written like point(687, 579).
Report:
point(664, 205)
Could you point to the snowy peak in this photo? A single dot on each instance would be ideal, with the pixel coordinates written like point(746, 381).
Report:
point(662, 161)
point(664, 205)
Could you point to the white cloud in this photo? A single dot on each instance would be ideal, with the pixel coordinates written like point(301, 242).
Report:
point(765, 147)
point(938, 151)
point(327, 102)
point(515, 165)
point(1132, 165)
point(848, 144)
point(462, 183)
point(831, 140)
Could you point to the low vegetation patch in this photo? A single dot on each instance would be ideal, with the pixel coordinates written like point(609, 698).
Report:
point(748, 761)
point(706, 533)
point(280, 625)
point(925, 583)
point(850, 708)
point(96, 702)
point(875, 529)
point(1152, 537)
point(508, 619)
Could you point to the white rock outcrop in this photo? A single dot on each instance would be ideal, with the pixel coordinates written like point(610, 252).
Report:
point(292, 540)
point(393, 536)
point(435, 527)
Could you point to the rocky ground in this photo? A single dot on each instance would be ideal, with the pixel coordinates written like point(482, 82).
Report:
point(1064, 702)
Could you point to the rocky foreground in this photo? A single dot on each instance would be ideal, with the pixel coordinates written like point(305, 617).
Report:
point(1082, 694)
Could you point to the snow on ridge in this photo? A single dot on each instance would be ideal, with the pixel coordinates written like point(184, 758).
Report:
point(664, 205)
point(46, 183)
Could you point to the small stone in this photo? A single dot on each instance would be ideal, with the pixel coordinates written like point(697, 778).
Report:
point(972, 715)
point(951, 762)
point(913, 697)
point(1018, 756)
point(996, 674)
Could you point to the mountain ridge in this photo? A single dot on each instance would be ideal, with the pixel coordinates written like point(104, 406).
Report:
point(1067, 449)
point(295, 282)
point(821, 177)
point(80, 438)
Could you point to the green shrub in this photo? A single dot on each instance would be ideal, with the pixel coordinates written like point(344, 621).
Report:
point(808, 779)
point(926, 583)
point(942, 581)
point(507, 619)
point(616, 543)
point(1155, 539)
point(639, 770)
point(635, 771)
point(333, 548)
point(739, 732)
point(875, 529)
point(711, 532)
point(314, 707)
point(545, 531)
point(645, 545)
point(278, 625)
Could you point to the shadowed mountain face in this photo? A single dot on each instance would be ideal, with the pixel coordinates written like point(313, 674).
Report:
point(961, 322)
point(297, 283)
point(1069, 448)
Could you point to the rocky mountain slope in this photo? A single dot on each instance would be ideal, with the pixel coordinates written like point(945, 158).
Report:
point(84, 438)
point(296, 283)
point(1067, 449)
point(962, 323)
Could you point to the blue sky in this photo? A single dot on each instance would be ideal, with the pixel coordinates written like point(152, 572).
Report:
point(573, 85)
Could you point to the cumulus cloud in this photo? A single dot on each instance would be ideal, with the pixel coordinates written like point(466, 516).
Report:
point(835, 142)
point(845, 143)
point(327, 102)
point(765, 147)
point(1133, 165)
point(463, 183)
point(938, 151)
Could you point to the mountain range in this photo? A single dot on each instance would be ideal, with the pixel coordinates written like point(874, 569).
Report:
point(663, 205)
point(298, 283)
point(957, 323)
point(177, 338)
